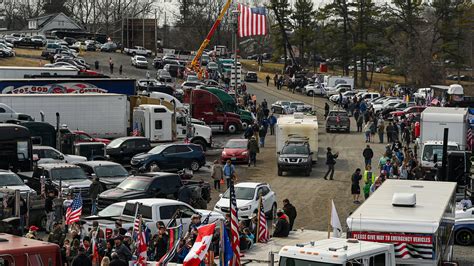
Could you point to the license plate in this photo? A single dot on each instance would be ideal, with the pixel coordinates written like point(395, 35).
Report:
point(233, 158)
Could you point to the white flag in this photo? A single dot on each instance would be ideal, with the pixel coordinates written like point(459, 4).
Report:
point(335, 222)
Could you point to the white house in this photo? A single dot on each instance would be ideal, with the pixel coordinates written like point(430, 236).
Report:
point(44, 25)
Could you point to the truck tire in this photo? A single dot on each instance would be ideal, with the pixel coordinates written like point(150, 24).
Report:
point(280, 172)
point(272, 214)
point(194, 165)
point(154, 166)
point(307, 172)
point(201, 143)
point(464, 237)
point(232, 128)
point(245, 125)
point(310, 93)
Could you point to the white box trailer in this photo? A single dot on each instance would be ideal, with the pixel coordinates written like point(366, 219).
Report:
point(297, 125)
point(434, 120)
point(104, 115)
point(13, 72)
point(420, 222)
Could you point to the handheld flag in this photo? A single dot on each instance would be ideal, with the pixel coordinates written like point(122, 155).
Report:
point(175, 234)
point(200, 247)
point(234, 226)
point(262, 229)
point(228, 252)
point(141, 246)
point(335, 222)
point(74, 211)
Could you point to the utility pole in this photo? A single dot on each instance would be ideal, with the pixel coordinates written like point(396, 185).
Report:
point(156, 37)
point(121, 29)
point(143, 31)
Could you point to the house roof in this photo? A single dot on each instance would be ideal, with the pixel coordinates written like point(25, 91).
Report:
point(49, 17)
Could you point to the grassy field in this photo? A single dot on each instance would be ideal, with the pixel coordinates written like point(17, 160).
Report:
point(377, 79)
point(28, 52)
point(22, 61)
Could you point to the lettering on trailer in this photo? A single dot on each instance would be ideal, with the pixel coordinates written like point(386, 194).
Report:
point(69, 87)
point(407, 246)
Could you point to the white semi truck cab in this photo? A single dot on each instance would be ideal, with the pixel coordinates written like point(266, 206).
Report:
point(338, 251)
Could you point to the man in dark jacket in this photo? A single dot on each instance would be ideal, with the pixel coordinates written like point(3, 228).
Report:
point(282, 227)
point(368, 154)
point(330, 162)
point(122, 251)
point(116, 261)
point(81, 259)
point(290, 211)
point(94, 190)
point(252, 147)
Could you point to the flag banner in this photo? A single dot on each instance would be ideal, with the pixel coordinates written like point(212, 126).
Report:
point(262, 232)
point(234, 226)
point(201, 246)
point(175, 234)
point(335, 222)
point(252, 21)
point(74, 211)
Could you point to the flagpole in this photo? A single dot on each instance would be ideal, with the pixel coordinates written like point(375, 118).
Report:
point(221, 243)
point(329, 219)
point(258, 218)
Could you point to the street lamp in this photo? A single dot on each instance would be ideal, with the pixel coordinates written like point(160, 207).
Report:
point(235, 15)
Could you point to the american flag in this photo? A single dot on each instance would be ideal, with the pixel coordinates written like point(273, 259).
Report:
point(262, 231)
point(137, 222)
point(470, 143)
point(136, 130)
point(234, 227)
point(252, 21)
point(74, 211)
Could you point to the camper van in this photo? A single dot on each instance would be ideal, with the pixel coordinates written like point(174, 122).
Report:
point(297, 125)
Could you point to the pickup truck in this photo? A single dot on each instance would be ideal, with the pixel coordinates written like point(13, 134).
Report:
point(137, 50)
point(8, 114)
point(338, 120)
point(151, 210)
point(155, 185)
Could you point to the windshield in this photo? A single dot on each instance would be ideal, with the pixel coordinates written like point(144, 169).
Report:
point(236, 144)
point(10, 179)
point(115, 143)
point(298, 262)
point(295, 149)
point(111, 210)
point(110, 171)
point(242, 193)
point(296, 104)
point(337, 114)
point(68, 173)
point(141, 58)
point(430, 150)
point(135, 183)
point(157, 149)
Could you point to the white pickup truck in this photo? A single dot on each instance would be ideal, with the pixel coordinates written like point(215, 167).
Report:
point(152, 210)
point(137, 50)
point(7, 113)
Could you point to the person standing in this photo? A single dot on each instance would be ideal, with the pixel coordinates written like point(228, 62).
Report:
point(355, 187)
point(381, 131)
point(262, 133)
point(326, 110)
point(48, 207)
point(267, 78)
point(111, 65)
point(368, 179)
point(217, 174)
point(275, 80)
point(359, 122)
point(290, 211)
point(368, 154)
point(253, 149)
point(120, 69)
point(389, 131)
point(81, 259)
point(229, 172)
point(272, 121)
point(367, 130)
point(330, 162)
point(94, 190)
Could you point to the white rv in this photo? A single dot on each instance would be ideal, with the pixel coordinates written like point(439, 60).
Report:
point(297, 125)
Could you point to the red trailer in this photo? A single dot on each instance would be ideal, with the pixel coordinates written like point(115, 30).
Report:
point(16, 250)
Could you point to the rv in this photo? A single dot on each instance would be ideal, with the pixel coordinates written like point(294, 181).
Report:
point(297, 125)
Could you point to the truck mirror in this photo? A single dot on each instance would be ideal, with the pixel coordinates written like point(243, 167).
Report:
point(25, 181)
point(435, 158)
point(61, 157)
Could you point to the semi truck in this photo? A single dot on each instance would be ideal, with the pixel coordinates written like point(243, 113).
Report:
point(417, 217)
point(433, 121)
point(209, 108)
point(67, 85)
point(13, 72)
point(230, 106)
point(160, 124)
point(297, 125)
point(332, 83)
point(15, 148)
point(101, 115)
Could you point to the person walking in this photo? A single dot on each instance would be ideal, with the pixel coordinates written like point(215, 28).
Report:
point(262, 133)
point(355, 187)
point(381, 131)
point(48, 207)
point(368, 179)
point(111, 65)
point(272, 121)
point(275, 80)
point(326, 110)
point(290, 211)
point(94, 190)
point(359, 122)
point(229, 172)
point(217, 173)
point(389, 131)
point(330, 162)
point(252, 147)
point(267, 78)
point(367, 131)
point(368, 154)
point(120, 69)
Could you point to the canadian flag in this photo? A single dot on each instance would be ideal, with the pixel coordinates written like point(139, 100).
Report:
point(141, 249)
point(200, 247)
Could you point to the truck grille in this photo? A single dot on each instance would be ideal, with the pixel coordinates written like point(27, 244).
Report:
point(84, 191)
point(292, 160)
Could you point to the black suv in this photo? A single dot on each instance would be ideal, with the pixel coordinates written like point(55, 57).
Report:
point(121, 150)
point(295, 156)
point(110, 174)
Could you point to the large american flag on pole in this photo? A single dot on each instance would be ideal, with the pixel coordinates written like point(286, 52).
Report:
point(262, 229)
point(252, 21)
point(74, 211)
point(234, 227)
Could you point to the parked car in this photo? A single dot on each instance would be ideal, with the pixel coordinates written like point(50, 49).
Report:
point(28, 42)
point(314, 89)
point(171, 156)
point(10, 180)
point(154, 185)
point(464, 231)
point(110, 174)
point(164, 76)
point(191, 84)
point(121, 150)
point(8, 44)
point(139, 61)
point(346, 95)
point(407, 111)
point(84, 137)
point(47, 154)
point(388, 103)
point(251, 77)
point(338, 120)
point(78, 46)
point(280, 107)
point(298, 106)
point(295, 155)
point(173, 69)
point(137, 50)
point(62, 64)
point(248, 196)
point(235, 150)
point(108, 47)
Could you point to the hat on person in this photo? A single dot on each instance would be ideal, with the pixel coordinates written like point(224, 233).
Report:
point(95, 224)
point(34, 228)
point(194, 216)
point(119, 237)
point(128, 234)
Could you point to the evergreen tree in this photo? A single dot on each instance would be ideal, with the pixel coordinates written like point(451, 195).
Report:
point(303, 18)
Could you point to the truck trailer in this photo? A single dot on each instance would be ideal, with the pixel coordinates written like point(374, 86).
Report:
point(417, 217)
point(101, 115)
point(13, 72)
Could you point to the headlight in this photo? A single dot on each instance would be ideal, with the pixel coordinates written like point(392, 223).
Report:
point(244, 208)
point(244, 153)
point(281, 159)
point(304, 160)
